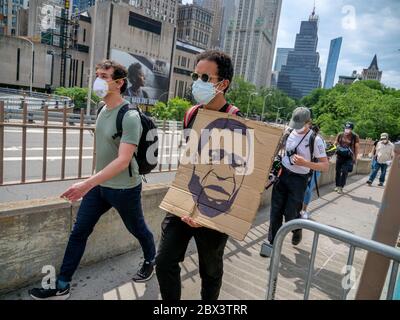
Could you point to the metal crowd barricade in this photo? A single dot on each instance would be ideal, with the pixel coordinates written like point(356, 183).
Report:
point(353, 241)
point(24, 119)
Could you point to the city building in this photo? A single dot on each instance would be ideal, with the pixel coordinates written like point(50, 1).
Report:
point(164, 10)
point(195, 25)
point(185, 62)
point(373, 72)
point(82, 5)
point(281, 58)
point(333, 59)
point(228, 12)
point(301, 74)
point(143, 44)
point(215, 6)
point(350, 79)
point(9, 16)
point(250, 38)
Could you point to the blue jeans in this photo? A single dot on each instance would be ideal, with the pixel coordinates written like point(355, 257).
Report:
point(310, 187)
point(97, 202)
point(375, 169)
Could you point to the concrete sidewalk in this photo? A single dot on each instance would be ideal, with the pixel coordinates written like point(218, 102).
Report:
point(246, 274)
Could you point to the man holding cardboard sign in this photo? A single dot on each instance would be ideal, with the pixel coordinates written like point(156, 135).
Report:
point(228, 164)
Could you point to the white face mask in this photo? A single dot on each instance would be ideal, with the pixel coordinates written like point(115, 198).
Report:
point(100, 87)
point(204, 92)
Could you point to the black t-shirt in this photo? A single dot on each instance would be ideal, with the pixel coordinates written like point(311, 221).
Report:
point(223, 109)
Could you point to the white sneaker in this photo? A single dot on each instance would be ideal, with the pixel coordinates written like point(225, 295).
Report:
point(336, 189)
point(304, 215)
point(340, 190)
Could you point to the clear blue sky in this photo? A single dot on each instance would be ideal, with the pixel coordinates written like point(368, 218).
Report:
point(368, 27)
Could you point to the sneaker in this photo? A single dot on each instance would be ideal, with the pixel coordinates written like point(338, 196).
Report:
point(340, 190)
point(304, 215)
point(297, 236)
point(50, 294)
point(380, 184)
point(266, 250)
point(336, 189)
point(369, 183)
point(145, 272)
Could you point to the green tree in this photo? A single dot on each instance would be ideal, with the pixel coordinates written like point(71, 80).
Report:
point(78, 95)
point(174, 110)
point(373, 108)
point(249, 99)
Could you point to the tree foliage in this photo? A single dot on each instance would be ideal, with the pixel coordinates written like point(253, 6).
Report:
point(174, 110)
point(77, 94)
point(253, 101)
point(372, 107)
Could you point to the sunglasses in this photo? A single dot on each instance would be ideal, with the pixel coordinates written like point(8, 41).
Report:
point(204, 77)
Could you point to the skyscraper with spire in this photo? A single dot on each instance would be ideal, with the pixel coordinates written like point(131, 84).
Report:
point(373, 72)
point(301, 74)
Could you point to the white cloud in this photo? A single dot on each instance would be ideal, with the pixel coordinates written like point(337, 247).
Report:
point(391, 78)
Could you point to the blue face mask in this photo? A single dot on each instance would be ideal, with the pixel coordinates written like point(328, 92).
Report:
point(204, 92)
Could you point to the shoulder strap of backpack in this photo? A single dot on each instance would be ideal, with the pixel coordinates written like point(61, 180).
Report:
point(312, 145)
point(119, 120)
point(189, 115)
point(100, 107)
point(232, 110)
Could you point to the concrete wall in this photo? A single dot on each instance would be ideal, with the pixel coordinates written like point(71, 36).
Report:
point(35, 233)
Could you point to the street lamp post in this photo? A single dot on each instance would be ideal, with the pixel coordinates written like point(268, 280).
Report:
point(277, 114)
point(265, 102)
point(248, 104)
point(90, 84)
point(31, 73)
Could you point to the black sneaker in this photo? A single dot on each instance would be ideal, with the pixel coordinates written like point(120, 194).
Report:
point(297, 236)
point(50, 294)
point(369, 183)
point(380, 184)
point(145, 273)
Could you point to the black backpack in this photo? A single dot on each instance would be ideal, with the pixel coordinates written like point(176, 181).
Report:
point(147, 139)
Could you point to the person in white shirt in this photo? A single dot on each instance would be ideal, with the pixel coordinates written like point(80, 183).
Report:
point(288, 192)
point(383, 155)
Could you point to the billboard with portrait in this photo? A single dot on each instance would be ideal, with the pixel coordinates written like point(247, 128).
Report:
point(148, 78)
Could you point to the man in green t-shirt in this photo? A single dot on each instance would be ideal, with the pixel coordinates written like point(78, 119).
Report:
point(111, 186)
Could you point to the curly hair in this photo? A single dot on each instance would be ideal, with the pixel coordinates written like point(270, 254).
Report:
point(120, 71)
point(223, 61)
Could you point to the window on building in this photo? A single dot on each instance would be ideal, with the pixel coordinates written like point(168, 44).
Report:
point(84, 35)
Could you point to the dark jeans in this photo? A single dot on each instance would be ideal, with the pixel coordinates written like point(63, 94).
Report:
point(343, 167)
point(287, 200)
point(376, 166)
point(98, 201)
point(174, 241)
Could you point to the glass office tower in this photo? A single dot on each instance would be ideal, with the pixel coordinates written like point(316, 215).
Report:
point(301, 74)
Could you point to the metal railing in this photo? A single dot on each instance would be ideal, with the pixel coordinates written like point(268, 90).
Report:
point(170, 144)
point(354, 241)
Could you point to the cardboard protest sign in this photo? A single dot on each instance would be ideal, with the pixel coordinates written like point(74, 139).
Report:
point(223, 172)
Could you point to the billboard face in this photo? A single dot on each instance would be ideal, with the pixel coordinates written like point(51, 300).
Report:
point(148, 77)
